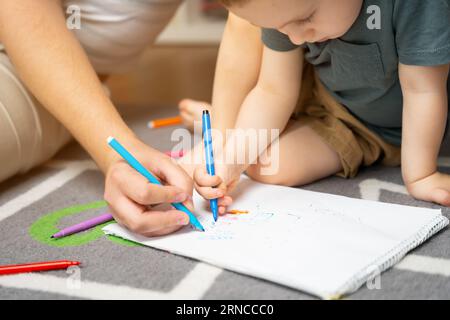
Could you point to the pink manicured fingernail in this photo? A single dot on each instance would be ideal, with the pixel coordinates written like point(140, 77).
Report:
point(182, 221)
point(180, 197)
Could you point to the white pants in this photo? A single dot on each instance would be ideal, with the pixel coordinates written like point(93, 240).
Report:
point(29, 134)
point(113, 33)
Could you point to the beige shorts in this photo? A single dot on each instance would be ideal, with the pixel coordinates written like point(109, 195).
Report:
point(29, 135)
point(355, 144)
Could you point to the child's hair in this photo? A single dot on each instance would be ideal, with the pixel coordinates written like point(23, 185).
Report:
point(228, 3)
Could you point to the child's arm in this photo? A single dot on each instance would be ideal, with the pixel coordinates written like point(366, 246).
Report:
point(268, 106)
point(424, 121)
point(54, 67)
point(237, 70)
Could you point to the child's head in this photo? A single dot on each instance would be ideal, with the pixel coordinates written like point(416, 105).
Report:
point(302, 20)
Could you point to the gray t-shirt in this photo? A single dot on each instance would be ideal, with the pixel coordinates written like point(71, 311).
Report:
point(360, 69)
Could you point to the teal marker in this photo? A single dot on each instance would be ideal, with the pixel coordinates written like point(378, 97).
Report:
point(209, 156)
point(135, 164)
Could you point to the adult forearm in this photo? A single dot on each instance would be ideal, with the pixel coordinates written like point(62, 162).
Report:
point(55, 68)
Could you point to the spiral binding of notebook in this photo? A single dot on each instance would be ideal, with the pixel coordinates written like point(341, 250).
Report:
point(393, 256)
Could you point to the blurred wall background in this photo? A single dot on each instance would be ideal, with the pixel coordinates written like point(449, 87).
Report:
point(180, 65)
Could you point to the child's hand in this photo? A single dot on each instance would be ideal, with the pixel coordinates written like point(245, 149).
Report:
point(434, 188)
point(216, 187)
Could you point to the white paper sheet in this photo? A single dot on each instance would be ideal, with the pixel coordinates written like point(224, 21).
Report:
point(322, 244)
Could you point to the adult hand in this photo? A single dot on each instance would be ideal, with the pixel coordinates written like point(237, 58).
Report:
point(131, 196)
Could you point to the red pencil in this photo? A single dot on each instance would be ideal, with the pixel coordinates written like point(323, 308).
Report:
point(38, 266)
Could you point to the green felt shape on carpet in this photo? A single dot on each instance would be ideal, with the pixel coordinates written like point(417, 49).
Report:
point(47, 225)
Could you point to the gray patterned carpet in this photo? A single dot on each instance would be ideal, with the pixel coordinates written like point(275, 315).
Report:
point(69, 189)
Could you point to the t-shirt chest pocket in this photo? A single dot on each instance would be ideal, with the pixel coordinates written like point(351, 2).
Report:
point(354, 66)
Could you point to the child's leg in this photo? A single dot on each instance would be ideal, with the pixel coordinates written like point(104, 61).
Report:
point(192, 110)
point(303, 158)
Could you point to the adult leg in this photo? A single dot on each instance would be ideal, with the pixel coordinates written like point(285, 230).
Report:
point(29, 135)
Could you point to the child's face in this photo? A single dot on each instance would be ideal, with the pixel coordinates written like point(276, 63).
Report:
point(302, 20)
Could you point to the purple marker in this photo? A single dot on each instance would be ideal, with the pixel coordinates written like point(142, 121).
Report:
point(84, 225)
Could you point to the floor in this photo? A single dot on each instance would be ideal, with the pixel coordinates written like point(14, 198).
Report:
point(69, 189)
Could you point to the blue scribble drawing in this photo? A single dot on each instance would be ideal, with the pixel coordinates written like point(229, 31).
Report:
point(219, 236)
point(295, 217)
point(258, 217)
point(262, 216)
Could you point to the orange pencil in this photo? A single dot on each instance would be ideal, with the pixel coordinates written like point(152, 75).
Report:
point(158, 123)
point(238, 212)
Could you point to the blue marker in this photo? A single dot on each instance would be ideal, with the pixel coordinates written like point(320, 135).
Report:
point(133, 162)
point(209, 156)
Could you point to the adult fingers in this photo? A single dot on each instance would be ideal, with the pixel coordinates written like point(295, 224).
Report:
point(135, 219)
point(136, 187)
point(176, 176)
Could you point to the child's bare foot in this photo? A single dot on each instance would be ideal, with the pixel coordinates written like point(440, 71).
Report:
point(191, 110)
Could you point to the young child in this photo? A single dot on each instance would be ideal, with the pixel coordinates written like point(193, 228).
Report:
point(347, 83)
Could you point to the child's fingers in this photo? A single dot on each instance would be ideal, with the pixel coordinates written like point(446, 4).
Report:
point(225, 201)
point(209, 193)
point(202, 178)
point(222, 211)
point(232, 185)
